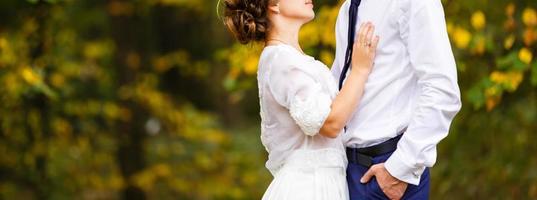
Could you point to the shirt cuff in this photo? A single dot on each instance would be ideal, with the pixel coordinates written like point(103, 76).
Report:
point(402, 171)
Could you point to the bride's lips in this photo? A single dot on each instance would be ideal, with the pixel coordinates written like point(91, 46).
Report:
point(309, 3)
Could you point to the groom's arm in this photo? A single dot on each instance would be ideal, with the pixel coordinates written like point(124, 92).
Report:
point(438, 102)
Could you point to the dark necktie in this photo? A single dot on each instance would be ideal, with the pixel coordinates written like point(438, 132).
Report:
point(353, 13)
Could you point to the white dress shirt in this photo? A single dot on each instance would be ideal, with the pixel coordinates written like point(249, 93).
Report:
point(413, 83)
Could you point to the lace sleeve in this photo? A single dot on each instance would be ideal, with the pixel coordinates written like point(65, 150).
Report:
point(310, 110)
point(297, 90)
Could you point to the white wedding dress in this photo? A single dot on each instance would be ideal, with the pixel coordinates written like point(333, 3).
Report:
point(295, 93)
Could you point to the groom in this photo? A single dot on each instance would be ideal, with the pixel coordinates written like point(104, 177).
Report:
point(410, 98)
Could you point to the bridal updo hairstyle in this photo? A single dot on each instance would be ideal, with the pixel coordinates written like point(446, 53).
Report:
point(247, 20)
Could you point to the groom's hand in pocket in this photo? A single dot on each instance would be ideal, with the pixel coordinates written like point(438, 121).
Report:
point(391, 186)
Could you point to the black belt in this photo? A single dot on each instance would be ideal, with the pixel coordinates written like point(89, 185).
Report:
point(364, 156)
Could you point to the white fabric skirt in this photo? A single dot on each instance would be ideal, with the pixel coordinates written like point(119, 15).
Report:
point(312, 175)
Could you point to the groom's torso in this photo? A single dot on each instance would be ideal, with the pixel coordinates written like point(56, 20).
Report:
point(390, 92)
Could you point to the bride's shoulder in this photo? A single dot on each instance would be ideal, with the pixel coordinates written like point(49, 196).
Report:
point(280, 57)
point(279, 53)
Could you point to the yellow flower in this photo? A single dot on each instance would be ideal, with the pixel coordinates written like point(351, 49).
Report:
point(478, 20)
point(30, 76)
point(510, 9)
point(162, 170)
point(480, 46)
point(492, 102)
point(529, 37)
point(509, 41)
point(57, 80)
point(497, 77)
point(111, 110)
point(462, 37)
point(91, 50)
point(510, 24)
point(491, 91)
point(161, 64)
point(525, 55)
point(510, 81)
point(529, 17)
point(234, 73)
point(513, 80)
point(250, 65)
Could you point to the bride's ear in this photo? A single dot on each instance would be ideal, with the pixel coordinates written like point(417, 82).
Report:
point(274, 8)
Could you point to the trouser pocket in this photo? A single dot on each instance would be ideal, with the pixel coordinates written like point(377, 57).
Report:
point(375, 191)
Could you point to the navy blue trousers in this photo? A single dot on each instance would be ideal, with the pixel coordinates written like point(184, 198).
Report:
point(371, 189)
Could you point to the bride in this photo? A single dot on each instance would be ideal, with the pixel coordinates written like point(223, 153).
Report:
point(302, 112)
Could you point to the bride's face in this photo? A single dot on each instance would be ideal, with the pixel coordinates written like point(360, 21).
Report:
point(297, 9)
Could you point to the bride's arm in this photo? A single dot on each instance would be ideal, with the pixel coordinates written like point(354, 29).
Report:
point(348, 98)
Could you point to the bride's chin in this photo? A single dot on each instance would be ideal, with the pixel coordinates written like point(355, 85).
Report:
point(309, 17)
point(305, 18)
point(312, 16)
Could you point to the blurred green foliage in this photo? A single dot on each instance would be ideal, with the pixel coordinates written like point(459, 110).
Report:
point(152, 99)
